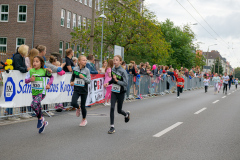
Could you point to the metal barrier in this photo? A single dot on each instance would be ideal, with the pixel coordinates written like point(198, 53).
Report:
point(138, 88)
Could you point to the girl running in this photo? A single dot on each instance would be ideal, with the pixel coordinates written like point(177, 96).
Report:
point(236, 82)
point(215, 80)
point(80, 80)
point(119, 87)
point(108, 77)
point(179, 84)
point(37, 76)
point(225, 82)
point(206, 82)
point(220, 84)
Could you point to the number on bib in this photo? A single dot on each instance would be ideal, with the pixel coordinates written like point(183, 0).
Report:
point(116, 88)
point(79, 82)
point(37, 85)
point(179, 83)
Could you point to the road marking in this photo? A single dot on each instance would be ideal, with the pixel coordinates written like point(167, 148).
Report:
point(215, 101)
point(224, 97)
point(167, 129)
point(201, 110)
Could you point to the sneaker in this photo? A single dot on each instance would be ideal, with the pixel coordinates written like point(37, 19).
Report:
point(78, 112)
point(178, 97)
point(40, 122)
point(41, 130)
point(108, 104)
point(13, 118)
point(111, 131)
point(24, 116)
point(128, 117)
point(83, 123)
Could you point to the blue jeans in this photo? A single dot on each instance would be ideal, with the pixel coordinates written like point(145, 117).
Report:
point(230, 82)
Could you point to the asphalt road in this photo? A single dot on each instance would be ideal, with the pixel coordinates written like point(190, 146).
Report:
point(194, 127)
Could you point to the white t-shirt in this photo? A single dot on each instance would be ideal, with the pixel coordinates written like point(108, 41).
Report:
point(225, 79)
point(236, 82)
point(206, 82)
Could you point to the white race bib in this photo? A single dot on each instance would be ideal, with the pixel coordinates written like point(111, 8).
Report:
point(37, 85)
point(179, 83)
point(116, 88)
point(79, 82)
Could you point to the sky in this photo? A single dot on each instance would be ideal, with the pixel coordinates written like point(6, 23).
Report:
point(218, 23)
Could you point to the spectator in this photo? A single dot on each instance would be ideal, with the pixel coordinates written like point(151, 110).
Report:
point(104, 65)
point(124, 65)
point(75, 61)
point(91, 64)
point(42, 51)
point(68, 59)
point(19, 60)
point(143, 69)
point(58, 64)
point(130, 79)
point(29, 59)
point(52, 65)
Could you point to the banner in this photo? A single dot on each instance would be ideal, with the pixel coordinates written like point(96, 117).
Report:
point(18, 94)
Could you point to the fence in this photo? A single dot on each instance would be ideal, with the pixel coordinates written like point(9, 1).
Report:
point(138, 88)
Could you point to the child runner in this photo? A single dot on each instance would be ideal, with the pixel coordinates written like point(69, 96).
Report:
point(119, 88)
point(179, 84)
point(225, 82)
point(236, 83)
point(215, 80)
point(220, 84)
point(37, 76)
point(108, 77)
point(80, 80)
point(206, 82)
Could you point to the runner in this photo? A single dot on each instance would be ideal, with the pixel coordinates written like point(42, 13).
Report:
point(119, 83)
point(179, 84)
point(215, 80)
point(37, 76)
point(206, 82)
point(236, 82)
point(220, 84)
point(230, 80)
point(80, 80)
point(225, 82)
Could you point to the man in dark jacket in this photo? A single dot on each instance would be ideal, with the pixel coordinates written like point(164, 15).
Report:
point(90, 65)
point(19, 60)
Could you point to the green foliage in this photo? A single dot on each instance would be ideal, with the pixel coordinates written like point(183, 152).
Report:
point(237, 72)
point(216, 64)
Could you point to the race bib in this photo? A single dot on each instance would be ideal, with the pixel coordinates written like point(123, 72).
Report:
point(79, 82)
point(37, 85)
point(180, 83)
point(116, 88)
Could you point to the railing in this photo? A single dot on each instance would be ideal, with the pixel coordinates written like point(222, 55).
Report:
point(138, 88)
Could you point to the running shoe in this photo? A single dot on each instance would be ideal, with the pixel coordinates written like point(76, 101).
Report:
point(111, 131)
point(108, 104)
point(41, 130)
point(83, 123)
point(40, 122)
point(78, 112)
point(128, 117)
point(178, 97)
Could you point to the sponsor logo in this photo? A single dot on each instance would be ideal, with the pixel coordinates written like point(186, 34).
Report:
point(9, 90)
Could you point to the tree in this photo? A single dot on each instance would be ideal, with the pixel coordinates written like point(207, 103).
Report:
point(182, 52)
point(237, 72)
point(216, 64)
point(199, 60)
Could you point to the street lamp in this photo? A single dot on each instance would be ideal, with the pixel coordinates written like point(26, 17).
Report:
point(103, 17)
point(208, 51)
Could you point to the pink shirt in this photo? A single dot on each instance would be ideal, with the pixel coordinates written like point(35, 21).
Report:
point(107, 78)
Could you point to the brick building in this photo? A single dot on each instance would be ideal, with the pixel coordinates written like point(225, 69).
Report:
point(54, 21)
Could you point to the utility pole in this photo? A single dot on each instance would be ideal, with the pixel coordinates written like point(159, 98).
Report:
point(92, 27)
point(218, 63)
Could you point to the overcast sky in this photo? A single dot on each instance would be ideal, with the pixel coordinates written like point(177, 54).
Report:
point(222, 15)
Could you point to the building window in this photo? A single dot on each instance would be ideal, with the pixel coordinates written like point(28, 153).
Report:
point(67, 45)
point(84, 22)
point(68, 19)
point(62, 17)
point(85, 2)
point(79, 21)
point(22, 13)
point(90, 3)
point(99, 5)
point(95, 4)
point(4, 11)
point(80, 1)
point(3, 44)
point(20, 41)
point(74, 20)
point(72, 46)
point(89, 23)
point(61, 47)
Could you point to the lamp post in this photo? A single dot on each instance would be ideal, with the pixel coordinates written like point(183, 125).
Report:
point(103, 17)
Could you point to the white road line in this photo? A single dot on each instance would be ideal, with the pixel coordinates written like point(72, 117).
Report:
point(215, 101)
point(224, 97)
point(167, 130)
point(201, 110)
